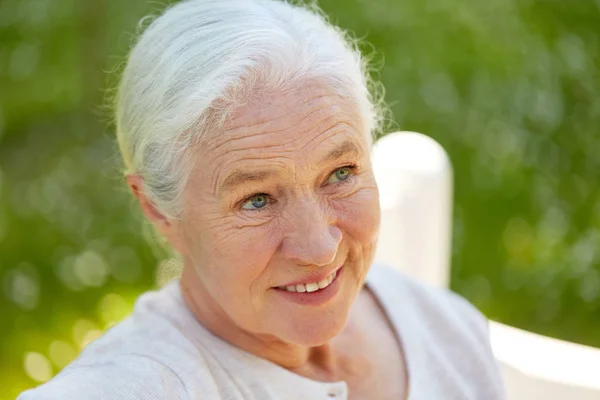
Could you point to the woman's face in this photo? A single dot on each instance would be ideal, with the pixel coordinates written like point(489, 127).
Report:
point(279, 204)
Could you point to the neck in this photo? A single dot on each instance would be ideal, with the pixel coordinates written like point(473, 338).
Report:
point(319, 362)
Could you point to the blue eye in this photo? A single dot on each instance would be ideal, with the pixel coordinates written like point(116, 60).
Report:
point(340, 174)
point(256, 202)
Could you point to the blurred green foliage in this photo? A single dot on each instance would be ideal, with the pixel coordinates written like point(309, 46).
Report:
point(509, 87)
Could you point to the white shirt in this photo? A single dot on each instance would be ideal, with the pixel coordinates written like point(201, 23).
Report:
point(162, 352)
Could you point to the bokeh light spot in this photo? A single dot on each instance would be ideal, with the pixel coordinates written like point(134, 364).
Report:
point(62, 353)
point(91, 268)
point(113, 308)
point(90, 336)
point(22, 287)
point(81, 330)
point(64, 270)
point(37, 367)
point(589, 290)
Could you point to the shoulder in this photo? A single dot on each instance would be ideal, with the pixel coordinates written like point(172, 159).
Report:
point(122, 377)
point(147, 356)
point(435, 306)
point(131, 361)
point(451, 334)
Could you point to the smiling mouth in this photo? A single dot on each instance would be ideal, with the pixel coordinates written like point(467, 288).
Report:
point(311, 287)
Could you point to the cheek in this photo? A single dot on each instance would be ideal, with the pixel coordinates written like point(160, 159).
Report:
point(359, 216)
point(227, 251)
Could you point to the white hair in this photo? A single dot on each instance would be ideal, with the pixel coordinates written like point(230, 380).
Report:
point(201, 58)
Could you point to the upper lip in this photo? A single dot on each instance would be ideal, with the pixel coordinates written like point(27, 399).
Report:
point(313, 277)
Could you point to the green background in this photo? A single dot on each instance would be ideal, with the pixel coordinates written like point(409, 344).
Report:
point(509, 87)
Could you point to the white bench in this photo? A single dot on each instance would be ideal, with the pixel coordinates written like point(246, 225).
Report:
point(414, 175)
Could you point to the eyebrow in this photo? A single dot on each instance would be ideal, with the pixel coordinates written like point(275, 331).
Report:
point(347, 147)
point(240, 177)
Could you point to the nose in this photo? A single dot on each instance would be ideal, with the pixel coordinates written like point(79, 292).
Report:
point(311, 236)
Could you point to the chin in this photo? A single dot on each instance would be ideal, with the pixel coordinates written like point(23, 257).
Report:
point(316, 331)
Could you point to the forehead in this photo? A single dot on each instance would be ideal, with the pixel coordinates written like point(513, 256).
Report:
point(303, 122)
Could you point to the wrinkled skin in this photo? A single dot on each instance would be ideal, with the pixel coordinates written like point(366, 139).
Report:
point(310, 214)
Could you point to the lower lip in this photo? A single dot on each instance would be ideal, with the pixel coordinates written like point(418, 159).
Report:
point(318, 297)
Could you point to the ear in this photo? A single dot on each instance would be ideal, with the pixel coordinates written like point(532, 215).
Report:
point(167, 227)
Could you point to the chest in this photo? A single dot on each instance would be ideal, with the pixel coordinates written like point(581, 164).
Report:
point(385, 382)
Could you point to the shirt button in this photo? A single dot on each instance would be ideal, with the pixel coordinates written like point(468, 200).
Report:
point(338, 391)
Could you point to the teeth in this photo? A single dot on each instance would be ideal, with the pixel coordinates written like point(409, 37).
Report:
point(301, 288)
point(310, 287)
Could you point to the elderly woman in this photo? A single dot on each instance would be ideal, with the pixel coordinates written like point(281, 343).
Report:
point(246, 126)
